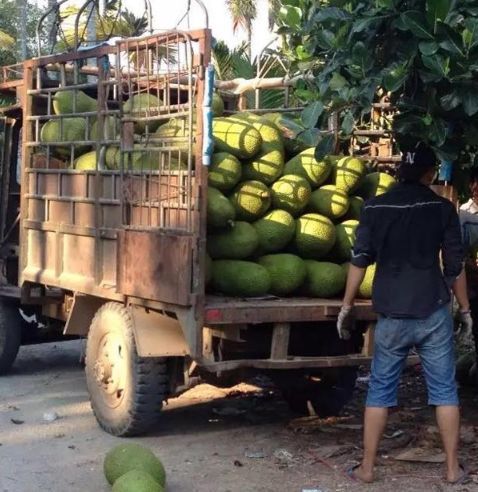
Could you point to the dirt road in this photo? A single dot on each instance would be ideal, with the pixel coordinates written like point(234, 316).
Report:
point(210, 440)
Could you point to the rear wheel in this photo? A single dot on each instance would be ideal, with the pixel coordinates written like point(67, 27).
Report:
point(10, 335)
point(126, 391)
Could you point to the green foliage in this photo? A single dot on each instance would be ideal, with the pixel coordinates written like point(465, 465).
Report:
point(424, 53)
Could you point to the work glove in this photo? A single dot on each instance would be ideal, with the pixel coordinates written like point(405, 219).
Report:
point(464, 325)
point(345, 322)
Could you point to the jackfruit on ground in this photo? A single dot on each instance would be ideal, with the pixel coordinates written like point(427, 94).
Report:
point(275, 230)
point(291, 193)
point(224, 172)
point(355, 208)
point(287, 272)
point(365, 289)
point(324, 279)
point(65, 130)
point(236, 137)
point(137, 481)
point(220, 211)
point(315, 235)
point(240, 278)
point(86, 162)
point(349, 172)
point(129, 456)
point(143, 105)
point(251, 199)
point(217, 105)
point(268, 164)
point(345, 233)
point(305, 165)
point(235, 243)
point(329, 201)
point(375, 184)
point(111, 127)
point(73, 101)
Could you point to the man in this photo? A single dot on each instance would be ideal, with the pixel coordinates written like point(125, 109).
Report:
point(469, 224)
point(404, 231)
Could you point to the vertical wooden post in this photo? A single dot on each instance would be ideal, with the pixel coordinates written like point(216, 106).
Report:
point(280, 341)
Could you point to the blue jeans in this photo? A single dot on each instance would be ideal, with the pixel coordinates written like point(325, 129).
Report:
point(433, 339)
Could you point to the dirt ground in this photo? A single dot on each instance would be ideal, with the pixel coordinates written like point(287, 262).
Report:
point(211, 440)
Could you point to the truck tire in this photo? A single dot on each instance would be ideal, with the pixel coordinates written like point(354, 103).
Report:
point(126, 391)
point(10, 335)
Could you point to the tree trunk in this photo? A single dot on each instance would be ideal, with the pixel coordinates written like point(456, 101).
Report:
point(249, 39)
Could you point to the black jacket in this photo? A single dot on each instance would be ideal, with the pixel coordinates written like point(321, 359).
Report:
point(404, 231)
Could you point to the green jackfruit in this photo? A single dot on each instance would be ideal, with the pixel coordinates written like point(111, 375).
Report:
point(240, 278)
point(365, 289)
point(111, 126)
point(64, 102)
point(275, 230)
point(375, 184)
point(324, 279)
point(315, 235)
point(251, 199)
point(329, 201)
point(236, 137)
point(291, 193)
point(66, 130)
point(305, 165)
point(235, 243)
point(349, 172)
point(224, 172)
point(137, 481)
point(345, 239)
point(268, 164)
point(217, 105)
point(355, 208)
point(287, 272)
point(220, 211)
point(139, 159)
point(86, 162)
point(129, 456)
point(141, 106)
point(174, 129)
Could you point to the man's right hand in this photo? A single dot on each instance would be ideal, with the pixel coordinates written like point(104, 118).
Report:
point(345, 322)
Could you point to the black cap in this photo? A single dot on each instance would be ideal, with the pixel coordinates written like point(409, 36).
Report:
point(419, 156)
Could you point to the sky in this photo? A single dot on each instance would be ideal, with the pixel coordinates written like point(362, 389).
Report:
point(167, 13)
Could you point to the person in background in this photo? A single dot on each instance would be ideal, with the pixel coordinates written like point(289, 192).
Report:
point(469, 224)
point(404, 232)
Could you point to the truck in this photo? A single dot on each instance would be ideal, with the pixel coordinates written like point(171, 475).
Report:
point(112, 247)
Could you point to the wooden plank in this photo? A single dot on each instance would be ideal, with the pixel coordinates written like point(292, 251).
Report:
point(280, 341)
point(369, 337)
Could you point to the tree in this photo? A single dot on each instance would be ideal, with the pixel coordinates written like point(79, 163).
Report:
point(243, 13)
point(423, 53)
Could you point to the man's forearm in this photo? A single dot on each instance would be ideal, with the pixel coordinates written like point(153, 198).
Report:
point(354, 279)
point(459, 289)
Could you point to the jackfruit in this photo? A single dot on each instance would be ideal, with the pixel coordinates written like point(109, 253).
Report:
point(375, 184)
point(208, 270)
point(275, 230)
point(143, 105)
point(235, 243)
point(291, 193)
point(220, 211)
point(217, 105)
point(365, 289)
point(315, 235)
point(175, 133)
point(236, 137)
point(251, 199)
point(324, 279)
point(329, 201)
point(345, 233)
point(86, 162)
point(349, 172)
point(139, 159)
point(111, 157)
point(73, 101)
point(137, 481)
point(224, 172)
point(129, 456)
point(111, 126)
point(305, 165)
point(240, 278)
point(287, 272)
point(355, 208)
point(268, 164)
point(65, 130)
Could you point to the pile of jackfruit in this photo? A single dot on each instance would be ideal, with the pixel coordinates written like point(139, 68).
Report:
point(281, 222)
